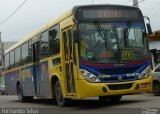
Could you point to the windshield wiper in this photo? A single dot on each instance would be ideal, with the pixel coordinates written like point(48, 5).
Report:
point(100, 31)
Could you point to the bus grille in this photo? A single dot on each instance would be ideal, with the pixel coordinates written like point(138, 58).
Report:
point(115, 79)
point(117, 71)
point(120, 86)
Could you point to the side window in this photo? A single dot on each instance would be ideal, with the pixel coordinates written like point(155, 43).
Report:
point(157, 69)
point(44, 45)
point(18, 56)
point(54, 40)
point(7, 61)
point(25, 53)
point(12, 59)
point(30, 52)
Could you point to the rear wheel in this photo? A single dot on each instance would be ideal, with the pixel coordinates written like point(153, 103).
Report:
point(61, 101)
point(156, 89)
point(21, 97)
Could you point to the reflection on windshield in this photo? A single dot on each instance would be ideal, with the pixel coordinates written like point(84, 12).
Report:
point(107, 43)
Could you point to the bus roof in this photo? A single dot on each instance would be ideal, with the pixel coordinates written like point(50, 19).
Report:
point(106, 5)
point(43, 28)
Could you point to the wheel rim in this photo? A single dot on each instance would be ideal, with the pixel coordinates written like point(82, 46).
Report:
point(59, 94)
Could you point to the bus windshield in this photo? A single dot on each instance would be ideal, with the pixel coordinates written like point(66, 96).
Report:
point(112, 42)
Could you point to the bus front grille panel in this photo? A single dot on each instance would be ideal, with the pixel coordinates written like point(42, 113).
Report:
point(120, 86)
point(115, 71)
point(115, 79)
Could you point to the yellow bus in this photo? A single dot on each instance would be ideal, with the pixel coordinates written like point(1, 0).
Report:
point(90, 51)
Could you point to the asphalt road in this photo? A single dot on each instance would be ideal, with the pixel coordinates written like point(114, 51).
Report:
point(130, 104)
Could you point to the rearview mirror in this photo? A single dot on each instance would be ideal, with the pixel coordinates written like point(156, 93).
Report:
point(149, 28)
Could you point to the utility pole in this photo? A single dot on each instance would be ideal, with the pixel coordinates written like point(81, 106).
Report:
point(0, 37)
point(135, 3)
point(92, 1)
point(1, 53)
point(1, 61)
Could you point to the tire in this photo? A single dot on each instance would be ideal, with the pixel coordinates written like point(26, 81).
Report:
point(103, 98)
point(156, 89)
point(21, 97)
point(114, 98)
point(61, 101)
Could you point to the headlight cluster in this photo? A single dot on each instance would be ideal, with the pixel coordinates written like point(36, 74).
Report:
point(145, 73)
point(89, 76)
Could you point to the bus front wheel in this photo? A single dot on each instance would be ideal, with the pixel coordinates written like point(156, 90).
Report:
point(113, 98)
point(156, 89)
point(61, 101)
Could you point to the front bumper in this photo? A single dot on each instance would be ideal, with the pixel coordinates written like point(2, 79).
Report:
point(86, 89)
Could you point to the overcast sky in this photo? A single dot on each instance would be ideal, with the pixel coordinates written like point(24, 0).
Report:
point(36, 13)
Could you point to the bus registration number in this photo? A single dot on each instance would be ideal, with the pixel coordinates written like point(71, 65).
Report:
point(127, 54)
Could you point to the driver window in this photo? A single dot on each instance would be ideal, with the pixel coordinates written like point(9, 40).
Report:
point(120, 37)
point(131, 37)
point(135, 37)
point(139, 40)
point(99, 40)
point(84, 45)
point(112, 40)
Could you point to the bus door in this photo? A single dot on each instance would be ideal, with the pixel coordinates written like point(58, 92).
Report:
point(36, 55)
point(69, 66)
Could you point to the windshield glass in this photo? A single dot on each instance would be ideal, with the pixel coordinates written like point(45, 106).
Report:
point(112, 42)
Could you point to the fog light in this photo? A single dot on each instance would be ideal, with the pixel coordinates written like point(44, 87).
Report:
point(137, 86)
point(104, 89)
point(145, 85)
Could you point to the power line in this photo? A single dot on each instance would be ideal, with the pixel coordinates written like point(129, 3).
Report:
point(152, 8)
point(120, 1)
point(13, 12)
point(127, 2)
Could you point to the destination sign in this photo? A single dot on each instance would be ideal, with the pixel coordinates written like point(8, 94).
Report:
point(108, 13)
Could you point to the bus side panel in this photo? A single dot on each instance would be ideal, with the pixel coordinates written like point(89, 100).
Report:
point(11, 82)
point(44, 79)
point(27, 81)
point(7, 83)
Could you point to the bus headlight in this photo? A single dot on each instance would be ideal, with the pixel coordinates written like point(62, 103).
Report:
point(145, 73)
point(89, 76)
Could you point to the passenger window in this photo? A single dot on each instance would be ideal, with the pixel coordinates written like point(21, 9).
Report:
point(17, 56)
point(30, 52)
point(25, 53)
point(12, 59)
point(7, 61)
point(44, 45)
point(54, 40)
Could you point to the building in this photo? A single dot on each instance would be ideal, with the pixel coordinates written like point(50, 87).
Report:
point(7, 45)
point(1, 61)
point(3, 47)
point(154, 46)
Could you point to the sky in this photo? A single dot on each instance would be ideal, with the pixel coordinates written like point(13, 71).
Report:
point(35, 13)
